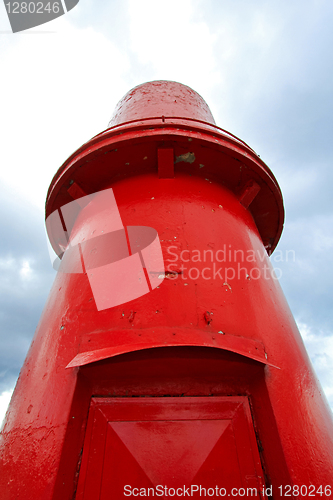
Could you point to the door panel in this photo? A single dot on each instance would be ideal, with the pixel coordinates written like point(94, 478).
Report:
point(172, 442)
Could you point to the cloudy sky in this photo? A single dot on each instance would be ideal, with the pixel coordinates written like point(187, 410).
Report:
point(264, 67)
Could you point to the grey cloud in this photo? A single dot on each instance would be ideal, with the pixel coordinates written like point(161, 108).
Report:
point(307, 280)
point(26, 277)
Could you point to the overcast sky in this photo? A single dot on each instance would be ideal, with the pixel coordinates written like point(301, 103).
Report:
point(265, 69)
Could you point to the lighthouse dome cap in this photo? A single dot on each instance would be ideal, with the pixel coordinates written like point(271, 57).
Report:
point(161, 98)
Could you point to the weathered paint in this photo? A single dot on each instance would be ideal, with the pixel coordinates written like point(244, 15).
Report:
point(200, 333)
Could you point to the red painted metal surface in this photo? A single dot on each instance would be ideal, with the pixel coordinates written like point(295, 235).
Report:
point(217, 326)
point(91, 349)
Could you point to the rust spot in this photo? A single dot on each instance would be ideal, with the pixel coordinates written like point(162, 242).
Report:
point(172, 274)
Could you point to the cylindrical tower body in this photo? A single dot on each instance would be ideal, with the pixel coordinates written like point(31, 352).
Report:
point(190, 375)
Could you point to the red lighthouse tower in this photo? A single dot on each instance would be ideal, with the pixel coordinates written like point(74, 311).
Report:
point(166, 361)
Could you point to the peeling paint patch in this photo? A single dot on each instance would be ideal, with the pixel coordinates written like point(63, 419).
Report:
point(208, 317)
point(186, 157)
point(227, 284)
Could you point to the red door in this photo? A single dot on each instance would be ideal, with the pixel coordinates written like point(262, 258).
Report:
point(162, 447)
